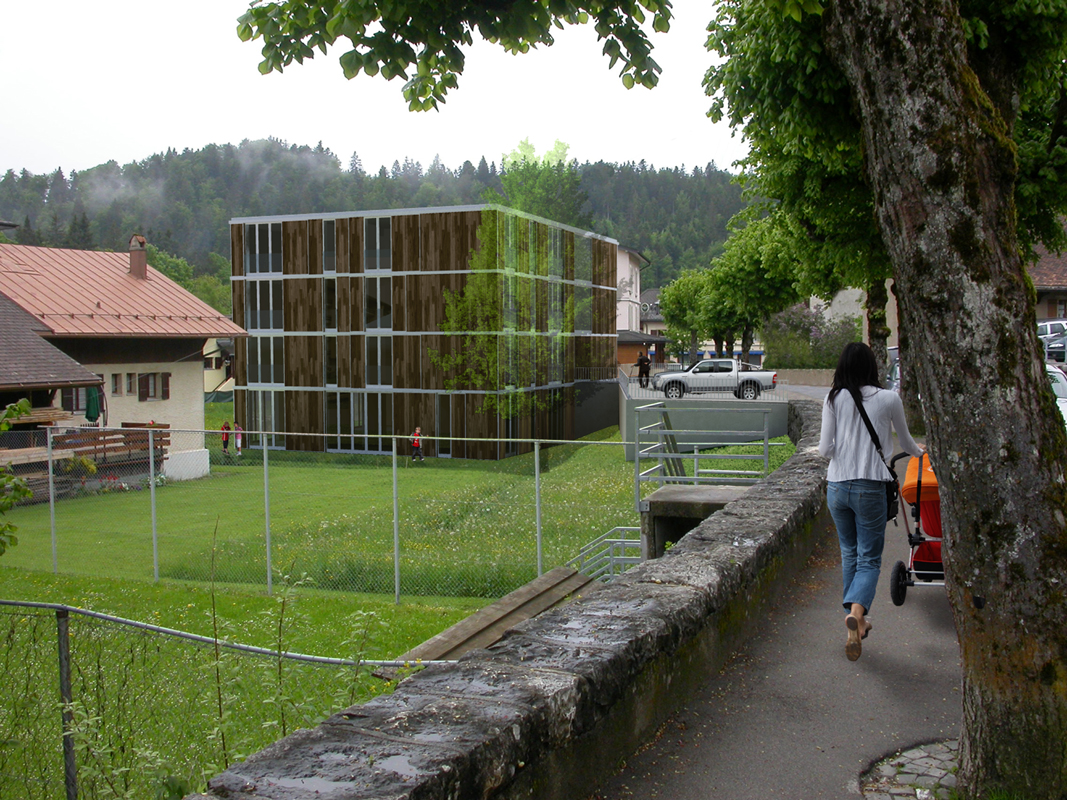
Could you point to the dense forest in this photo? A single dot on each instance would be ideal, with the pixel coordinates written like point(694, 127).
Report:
point(182, 202)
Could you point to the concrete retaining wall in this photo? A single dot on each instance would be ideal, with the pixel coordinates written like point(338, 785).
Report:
point(568, 694)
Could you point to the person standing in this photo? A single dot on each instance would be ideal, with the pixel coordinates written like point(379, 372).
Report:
point(416, 445)
point(225, 438)
point(856, 478)
point(237, 431)
point(644, 364)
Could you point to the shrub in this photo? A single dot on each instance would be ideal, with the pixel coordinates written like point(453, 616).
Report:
point(799, 338)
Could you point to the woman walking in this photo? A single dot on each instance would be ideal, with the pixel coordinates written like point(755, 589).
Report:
point(857, 476)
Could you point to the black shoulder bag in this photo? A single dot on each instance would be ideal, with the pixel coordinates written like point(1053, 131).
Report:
point(892, 487)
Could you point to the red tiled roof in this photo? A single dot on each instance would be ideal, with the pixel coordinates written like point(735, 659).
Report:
point(88, 293)
point(1049, 272)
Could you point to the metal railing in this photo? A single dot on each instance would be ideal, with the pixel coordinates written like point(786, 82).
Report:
point(681, 454)
point(139, 704)
point(610, 554)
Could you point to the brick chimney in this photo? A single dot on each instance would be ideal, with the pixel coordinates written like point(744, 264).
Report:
point(138, 257)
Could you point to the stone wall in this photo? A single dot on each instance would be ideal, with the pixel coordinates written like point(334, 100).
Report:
point(565, 696)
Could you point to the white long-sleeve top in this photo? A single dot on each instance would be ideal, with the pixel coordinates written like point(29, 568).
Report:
point(846, 441)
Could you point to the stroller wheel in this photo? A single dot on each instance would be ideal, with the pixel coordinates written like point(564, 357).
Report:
point(898, 583)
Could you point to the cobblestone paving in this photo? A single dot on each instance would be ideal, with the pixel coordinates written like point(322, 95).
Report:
point(925, 773)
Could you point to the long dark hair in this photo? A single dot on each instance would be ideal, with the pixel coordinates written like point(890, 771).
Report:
point(856, 368)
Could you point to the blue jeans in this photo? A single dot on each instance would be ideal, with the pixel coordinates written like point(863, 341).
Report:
point(859, 512)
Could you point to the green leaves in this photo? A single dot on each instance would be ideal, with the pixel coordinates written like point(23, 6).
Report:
point(385, 35)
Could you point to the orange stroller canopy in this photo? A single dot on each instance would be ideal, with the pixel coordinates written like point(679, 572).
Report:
point(909, 489)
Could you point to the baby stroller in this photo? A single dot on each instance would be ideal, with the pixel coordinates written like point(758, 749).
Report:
point(924, 565)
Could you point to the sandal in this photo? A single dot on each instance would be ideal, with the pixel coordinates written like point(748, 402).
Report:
point(854, 645)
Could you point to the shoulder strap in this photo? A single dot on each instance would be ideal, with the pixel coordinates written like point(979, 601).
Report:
point(870, 428)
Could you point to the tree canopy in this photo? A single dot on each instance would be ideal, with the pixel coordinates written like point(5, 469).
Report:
point(422, 42)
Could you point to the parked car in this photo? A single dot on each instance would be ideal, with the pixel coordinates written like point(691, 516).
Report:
point(716, 375)
point(1059, 387)
point(1053, 332)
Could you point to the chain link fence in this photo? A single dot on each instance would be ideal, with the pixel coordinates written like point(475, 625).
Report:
point(160, 504)
point(100, 707)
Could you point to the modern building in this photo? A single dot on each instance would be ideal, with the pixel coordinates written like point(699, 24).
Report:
point(472, 322)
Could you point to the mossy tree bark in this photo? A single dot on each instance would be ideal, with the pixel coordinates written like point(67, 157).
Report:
point(877, 329)
point(942, 168)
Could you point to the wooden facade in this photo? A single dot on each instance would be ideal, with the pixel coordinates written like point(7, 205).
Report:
point(365, 306)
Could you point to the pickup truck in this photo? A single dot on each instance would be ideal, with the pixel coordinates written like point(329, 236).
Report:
point(716, 375)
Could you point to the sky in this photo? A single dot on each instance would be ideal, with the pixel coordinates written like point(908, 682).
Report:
point(124, 79)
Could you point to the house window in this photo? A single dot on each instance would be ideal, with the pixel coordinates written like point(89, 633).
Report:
point(131, 383)
point(263, 248)
point(378, 303)
point(264, 418)
point(583, 309)
point(331, 361)
point(344, 421)
point(329, 246)
point(379, 360)
point(73, 400)
point(583, 259)
point(266, 360)
point(263, 305)
point(329, 304)
point(1061, 308)
point(153, 386)
point(116, 384)
point(377, 244)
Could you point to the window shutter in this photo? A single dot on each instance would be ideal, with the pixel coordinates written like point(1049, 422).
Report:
point(165, 388)
point(142, 388)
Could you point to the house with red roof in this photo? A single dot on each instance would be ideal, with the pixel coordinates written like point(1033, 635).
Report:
point(1049, 274)
point(138, 332)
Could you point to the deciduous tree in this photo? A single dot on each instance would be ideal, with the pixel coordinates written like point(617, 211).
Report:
point(925, 95)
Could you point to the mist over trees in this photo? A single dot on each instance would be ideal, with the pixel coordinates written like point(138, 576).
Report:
point(182, 201)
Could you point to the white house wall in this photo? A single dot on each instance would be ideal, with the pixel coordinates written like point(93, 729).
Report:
point(628, 299)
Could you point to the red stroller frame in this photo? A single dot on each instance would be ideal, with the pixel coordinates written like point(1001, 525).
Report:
point(924, 566)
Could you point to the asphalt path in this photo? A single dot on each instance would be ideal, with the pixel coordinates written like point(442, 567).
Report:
point(790, 717)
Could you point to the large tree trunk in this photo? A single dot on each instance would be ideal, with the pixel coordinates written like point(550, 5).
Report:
point(877, 329)
point(942, 168)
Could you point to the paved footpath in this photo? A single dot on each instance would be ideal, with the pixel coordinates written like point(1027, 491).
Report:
point(790, 717)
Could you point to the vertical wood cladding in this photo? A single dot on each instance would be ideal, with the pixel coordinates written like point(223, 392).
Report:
point(315, 247)
point(295, 247)
point(303, 361)
point(238, 291)
point(304, 414)
point(459, 426)
point(303, 305)
point(399, 301)
point(240, 353)
point(480, 425)
point(603, 310)
point(343, 232)
point(344, 362)
point(237, 250)
point(447, 239)
point(344, 304)
point(407, 361)
point(431, 296)
point(406, 248)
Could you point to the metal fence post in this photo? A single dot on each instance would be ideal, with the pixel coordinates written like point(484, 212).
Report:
point(266, 509)
point(537, 503)
point(152, 495)
point(396, 532)
point(70, 768)
point(52, 503)
point(766, 443)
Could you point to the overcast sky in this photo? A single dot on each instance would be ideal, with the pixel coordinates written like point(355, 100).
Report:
point(123, 79)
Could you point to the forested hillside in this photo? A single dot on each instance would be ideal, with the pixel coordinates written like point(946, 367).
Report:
point(182, 202)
